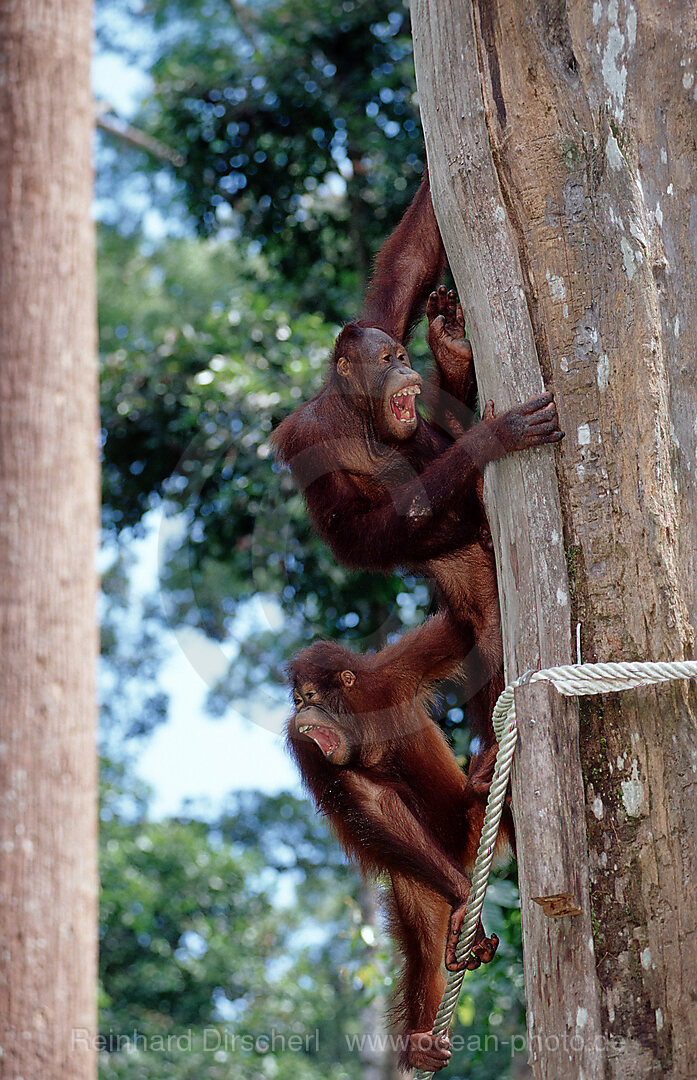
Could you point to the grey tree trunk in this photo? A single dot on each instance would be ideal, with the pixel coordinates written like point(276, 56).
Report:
point(561, 141)
point(48, 522)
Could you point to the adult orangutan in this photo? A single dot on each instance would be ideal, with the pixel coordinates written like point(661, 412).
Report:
point(380, 769)
point(386, 487)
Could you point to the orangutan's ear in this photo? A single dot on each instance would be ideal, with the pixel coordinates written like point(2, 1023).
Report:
point(347, 678)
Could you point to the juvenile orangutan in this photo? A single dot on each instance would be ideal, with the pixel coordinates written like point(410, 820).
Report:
point(382, 772)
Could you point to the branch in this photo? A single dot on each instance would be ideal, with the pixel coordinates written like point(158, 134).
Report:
point(246, 20)
point(107, 120)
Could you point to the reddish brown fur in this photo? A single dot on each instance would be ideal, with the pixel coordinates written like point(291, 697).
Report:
point(399, 801)
point(384, 494)
point(381, 500)
point(408, 267)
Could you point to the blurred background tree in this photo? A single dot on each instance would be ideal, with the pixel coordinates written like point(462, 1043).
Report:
point(294, 125)
point(283, 146)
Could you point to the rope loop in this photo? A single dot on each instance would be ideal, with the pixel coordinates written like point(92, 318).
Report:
point(572, 680)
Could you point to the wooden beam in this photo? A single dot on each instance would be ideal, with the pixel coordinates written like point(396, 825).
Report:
point(485, 255)
point(551, 832)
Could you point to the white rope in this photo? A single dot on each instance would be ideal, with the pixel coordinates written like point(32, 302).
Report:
point(574, 680)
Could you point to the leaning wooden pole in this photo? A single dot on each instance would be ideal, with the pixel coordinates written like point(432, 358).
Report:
point(557, 139)
point(522, 496)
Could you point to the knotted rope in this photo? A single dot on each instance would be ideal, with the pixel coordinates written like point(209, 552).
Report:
point(573, 680)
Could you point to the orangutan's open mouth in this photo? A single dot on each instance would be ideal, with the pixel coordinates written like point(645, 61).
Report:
point(324, 737)
point(403, 405)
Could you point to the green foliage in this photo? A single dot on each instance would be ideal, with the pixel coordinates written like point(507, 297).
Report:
point(296, 123)
point(185, 900)
point(209, 939)
point(301, 142)
point(216, 937)
point(200, 361)
point(197, 360)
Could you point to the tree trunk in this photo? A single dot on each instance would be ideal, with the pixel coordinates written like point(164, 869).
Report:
point(378, 1058)
point(561, 141)
point(48, 520)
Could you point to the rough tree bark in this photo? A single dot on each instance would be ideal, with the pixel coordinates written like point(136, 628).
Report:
point(562, 142)
point(48, 522)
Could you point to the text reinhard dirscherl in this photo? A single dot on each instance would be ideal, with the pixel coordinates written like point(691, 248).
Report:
point(213, 1040)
